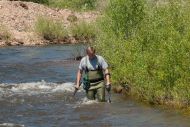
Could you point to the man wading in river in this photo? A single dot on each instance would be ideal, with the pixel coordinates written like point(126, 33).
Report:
point(94, 70)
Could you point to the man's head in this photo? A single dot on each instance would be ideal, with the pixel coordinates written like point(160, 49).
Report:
point(90, 51)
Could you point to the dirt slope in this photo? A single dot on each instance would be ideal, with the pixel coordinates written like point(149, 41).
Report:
point(19, 18)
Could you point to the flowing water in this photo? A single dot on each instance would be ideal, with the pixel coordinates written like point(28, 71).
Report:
point(36, 90)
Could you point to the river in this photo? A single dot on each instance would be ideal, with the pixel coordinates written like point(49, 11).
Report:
point(36, 90)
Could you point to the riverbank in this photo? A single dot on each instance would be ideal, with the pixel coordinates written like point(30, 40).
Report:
point(18, 21)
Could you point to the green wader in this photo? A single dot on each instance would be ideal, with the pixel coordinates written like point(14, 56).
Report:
point(98, 90)
point(97, 85)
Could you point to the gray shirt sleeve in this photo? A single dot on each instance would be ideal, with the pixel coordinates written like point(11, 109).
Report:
point(82, 64)
point(103, 63)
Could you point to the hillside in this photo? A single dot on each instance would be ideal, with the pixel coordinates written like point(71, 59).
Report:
point(18, 18)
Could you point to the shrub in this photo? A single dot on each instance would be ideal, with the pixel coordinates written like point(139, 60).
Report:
point(4, 33)
point(147, 46)
point(72, 18)
point(74, 4)
point(38, 1)
point(71, 4)
point(50, 29)
point(83, 31)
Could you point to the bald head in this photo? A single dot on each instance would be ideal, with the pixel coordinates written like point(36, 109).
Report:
point(90, 51)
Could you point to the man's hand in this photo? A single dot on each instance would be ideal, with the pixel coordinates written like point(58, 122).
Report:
point(79, 74)
point(108, 87)
point(77, 87)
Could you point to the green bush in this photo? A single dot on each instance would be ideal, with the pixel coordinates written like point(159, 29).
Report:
point(74, 4)
point(71, 4)
point(5, 35)
point(83, 30)
point(50, 29)
point(53, 30)
point(147, 46)
point(38, 1)
point(72, 18)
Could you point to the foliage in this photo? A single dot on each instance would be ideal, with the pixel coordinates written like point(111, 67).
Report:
point(38, 1)
point(83, 30)
point(147, 46)
point(72, 18)
point(50, 29)
point(74, 4)
point(4, 33)
point(53, 30)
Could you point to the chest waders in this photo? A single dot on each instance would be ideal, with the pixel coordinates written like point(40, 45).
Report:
point(93, 82)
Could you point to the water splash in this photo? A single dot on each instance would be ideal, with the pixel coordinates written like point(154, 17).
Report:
point(85, 101)
point(11, 125)
point(34, 88)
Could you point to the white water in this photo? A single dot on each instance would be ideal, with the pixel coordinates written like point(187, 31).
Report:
point(42, 87)
point(33, 88)
point(11, 125)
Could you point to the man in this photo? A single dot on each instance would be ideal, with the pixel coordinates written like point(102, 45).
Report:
point(94, 70)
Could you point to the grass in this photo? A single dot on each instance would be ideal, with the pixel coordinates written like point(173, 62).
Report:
point(38, 1)
point(83, 31)
point(74, 4)
point(147, 46)
point(78, 5)
point(50, 29)
point(5, 35)
point(54, 31)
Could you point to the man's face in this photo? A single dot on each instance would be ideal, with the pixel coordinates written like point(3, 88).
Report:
point(90, 54)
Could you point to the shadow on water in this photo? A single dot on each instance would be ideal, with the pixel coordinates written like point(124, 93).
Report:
point(36, 90)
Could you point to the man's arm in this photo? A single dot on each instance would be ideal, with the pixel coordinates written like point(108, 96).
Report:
point(79, 75)
point(107, 76)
